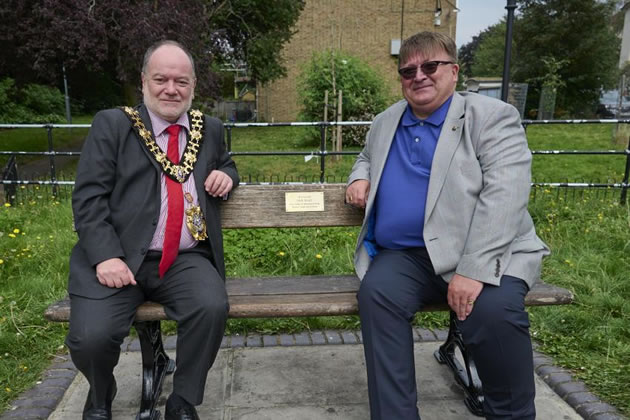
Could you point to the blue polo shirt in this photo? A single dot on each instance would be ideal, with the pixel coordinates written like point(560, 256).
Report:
point(402, 191)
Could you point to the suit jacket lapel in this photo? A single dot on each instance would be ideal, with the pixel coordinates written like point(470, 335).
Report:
point(200, 171)
point(450, 137)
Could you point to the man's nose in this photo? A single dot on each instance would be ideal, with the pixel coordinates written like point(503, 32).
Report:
point(170, 87)
point(419, 74)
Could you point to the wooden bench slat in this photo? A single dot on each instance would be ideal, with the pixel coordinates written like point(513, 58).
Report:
point(316, 300)
point(253, 286)
point(543, 294)
point(256, 206)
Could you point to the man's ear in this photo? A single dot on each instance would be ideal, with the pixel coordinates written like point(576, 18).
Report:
point(455, 71)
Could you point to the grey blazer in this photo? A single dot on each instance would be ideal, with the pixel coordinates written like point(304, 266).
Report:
point(476, 220)
point(116, 199)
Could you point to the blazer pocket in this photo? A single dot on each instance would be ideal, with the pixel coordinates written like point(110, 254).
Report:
point(529, 243)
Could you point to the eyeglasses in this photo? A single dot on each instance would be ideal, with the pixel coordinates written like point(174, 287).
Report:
point(428, 67)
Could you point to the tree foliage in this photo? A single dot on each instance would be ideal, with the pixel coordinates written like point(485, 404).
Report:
point(466, 54)
point(578, 33)
point(110, 36)
point(363, 89)
point(489, 57)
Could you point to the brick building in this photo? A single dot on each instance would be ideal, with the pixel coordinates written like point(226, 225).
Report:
point(368, 29)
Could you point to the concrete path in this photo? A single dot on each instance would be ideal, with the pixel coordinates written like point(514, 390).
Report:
point(317, 375)
point(296, 382)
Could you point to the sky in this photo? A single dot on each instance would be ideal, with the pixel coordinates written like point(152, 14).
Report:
point(475, 16)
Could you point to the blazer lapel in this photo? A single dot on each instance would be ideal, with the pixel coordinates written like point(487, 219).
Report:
point(200, 171)
point(450, 136)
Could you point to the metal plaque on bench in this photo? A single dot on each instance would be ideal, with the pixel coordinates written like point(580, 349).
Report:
point(303, 201)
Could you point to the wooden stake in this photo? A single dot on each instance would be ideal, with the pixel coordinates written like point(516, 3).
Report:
point(325, 112)
point(334, 95)
point(339, 119)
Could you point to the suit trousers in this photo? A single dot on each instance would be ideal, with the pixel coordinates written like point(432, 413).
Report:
point(400, 283)
point(193, 294)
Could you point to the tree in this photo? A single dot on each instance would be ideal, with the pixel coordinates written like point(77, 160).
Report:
point(39, 36)
point(550, 83)
point(577, 33)
point(467, 53)
point(364, 92)
point(489, 56)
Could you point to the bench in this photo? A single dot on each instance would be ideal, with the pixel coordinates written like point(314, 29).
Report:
point(265, 206)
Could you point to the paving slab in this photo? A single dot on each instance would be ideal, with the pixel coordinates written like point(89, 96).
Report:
point(299, 382)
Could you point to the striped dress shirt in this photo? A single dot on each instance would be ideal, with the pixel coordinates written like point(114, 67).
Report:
point(161, 137)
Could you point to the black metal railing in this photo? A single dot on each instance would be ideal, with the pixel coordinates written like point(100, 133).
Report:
point(10, 174)
point(623, 185)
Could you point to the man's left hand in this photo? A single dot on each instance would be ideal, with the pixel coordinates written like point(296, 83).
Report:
point(462, 293)
point(218, 183)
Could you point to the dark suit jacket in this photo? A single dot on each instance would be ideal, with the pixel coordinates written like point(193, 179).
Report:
point(116, 199)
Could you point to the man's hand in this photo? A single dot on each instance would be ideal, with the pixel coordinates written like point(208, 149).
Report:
point(218, 183)
point(462, 293)
point(114, 273)
point(357, 193)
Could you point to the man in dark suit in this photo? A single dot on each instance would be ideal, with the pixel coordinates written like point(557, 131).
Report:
point(146, 210)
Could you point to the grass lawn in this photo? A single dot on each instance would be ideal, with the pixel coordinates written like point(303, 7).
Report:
point(286, 168)
point(36, 140)
point(545, 168)
point(589, 234)
point(588, 168)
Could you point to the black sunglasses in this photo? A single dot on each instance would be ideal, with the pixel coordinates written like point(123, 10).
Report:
point(428, 67)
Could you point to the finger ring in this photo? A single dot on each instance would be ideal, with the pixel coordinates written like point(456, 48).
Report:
point(472, 301)
point(350, 199)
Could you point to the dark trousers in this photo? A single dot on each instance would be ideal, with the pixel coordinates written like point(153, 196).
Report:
point(400, 283)
point(193, 294)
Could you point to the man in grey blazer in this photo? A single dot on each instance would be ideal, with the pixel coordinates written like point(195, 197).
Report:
point(444, 178)
point(146, 210)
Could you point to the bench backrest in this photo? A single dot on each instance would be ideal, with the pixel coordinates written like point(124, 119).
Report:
point(289, 205)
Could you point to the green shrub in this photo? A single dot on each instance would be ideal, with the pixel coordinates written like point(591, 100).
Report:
point(43, 99)
point(364, 90)
point(31, 104)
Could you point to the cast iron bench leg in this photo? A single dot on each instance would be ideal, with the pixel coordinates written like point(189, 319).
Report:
point(466, 376)
point(155, 366)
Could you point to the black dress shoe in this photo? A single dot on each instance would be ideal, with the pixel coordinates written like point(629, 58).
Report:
point(100, 413)
point(179, 409)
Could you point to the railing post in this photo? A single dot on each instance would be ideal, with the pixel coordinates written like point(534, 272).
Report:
point(10, 173)
point(51, 158)
point(229, 138)
point(505, 81)
point(626, 175)
point(322, 150)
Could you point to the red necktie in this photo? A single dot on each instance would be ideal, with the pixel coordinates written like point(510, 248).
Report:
point(175, 215)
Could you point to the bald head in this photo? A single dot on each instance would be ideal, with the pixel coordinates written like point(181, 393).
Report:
point(156, 45)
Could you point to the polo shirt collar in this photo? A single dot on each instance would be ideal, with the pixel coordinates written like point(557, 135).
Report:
point(436, 119)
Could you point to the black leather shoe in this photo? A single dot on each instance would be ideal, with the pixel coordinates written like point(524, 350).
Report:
point(100, 413)
point(179, 409)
